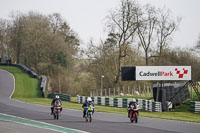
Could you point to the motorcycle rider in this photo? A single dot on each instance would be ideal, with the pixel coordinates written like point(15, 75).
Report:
point(132, 103)
point(54, 101)
point(86, 104)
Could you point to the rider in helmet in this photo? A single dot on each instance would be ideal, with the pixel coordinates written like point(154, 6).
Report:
point(132, 103)
point(54, 101)
point(87, 103)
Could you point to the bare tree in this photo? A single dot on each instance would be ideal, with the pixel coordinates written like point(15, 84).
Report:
point(166, 26)
point(4, 47)
point(16, 34)
point(123, 25)
point(146, 29)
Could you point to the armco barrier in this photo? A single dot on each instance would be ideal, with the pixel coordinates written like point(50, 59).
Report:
point(145, 105)
point(43, 84)
point(195, 106)
point(63, 97)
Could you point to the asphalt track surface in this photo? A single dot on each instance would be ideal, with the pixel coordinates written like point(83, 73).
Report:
point(102, 122)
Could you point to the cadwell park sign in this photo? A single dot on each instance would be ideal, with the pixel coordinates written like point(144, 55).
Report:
point(156, 73)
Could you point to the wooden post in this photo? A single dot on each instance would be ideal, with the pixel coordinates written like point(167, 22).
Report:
point(97, 93)
point(139, 90)
point(128, 90)
point(132, 91)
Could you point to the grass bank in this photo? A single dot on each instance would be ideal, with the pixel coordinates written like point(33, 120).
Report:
point(25, 86)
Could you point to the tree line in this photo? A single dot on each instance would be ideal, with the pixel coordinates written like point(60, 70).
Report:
point(136, 35)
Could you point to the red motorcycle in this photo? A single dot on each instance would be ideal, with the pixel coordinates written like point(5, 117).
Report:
point(134, 112)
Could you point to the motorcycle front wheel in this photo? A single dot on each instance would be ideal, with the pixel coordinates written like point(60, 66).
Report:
point(90, 116)
point(136, 118)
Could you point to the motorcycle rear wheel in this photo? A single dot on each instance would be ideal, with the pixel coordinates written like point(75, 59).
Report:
point(54, 115)
point(57, 116)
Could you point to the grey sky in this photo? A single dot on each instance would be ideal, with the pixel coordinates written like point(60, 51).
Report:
point(86, 17)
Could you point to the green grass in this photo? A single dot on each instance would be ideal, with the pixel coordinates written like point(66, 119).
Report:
point(25, 86)
point(27, 90)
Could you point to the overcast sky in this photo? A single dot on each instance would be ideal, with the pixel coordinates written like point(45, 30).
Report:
point(86, 17)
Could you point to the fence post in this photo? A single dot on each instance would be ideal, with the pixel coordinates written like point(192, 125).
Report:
point(132, 91)
point(97, 93)
point(139, 90)
point(123, 90)
point(128, 90)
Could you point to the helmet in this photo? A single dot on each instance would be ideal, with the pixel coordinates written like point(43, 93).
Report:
point(89, 99)
point(57, 97)
point(133, 100)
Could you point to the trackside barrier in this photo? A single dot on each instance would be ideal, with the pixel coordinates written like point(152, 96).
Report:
point(107, 101)
point(111, 102)
point(102, 100)
point(63, 97)
point(43, 84)
point(95, 100)
point(145, 105)
point(195, 106)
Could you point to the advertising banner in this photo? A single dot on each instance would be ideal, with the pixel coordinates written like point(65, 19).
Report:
point(163, 73)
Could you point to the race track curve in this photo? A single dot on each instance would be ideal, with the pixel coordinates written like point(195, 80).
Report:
point(72, 119)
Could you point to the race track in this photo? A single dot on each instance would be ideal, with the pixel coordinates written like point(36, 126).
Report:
point(72, 119)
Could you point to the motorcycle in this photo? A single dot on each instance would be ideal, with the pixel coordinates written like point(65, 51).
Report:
point(56, 111)
point(89, 113)
point(134, 112)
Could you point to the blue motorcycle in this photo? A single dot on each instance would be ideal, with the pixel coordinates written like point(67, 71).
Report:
point(89, 113)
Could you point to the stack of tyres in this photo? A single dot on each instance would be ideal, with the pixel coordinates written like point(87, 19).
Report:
point(99, 101)
point(107, 101)
point(102, 100)
point(115, 102)
point(111, 103)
